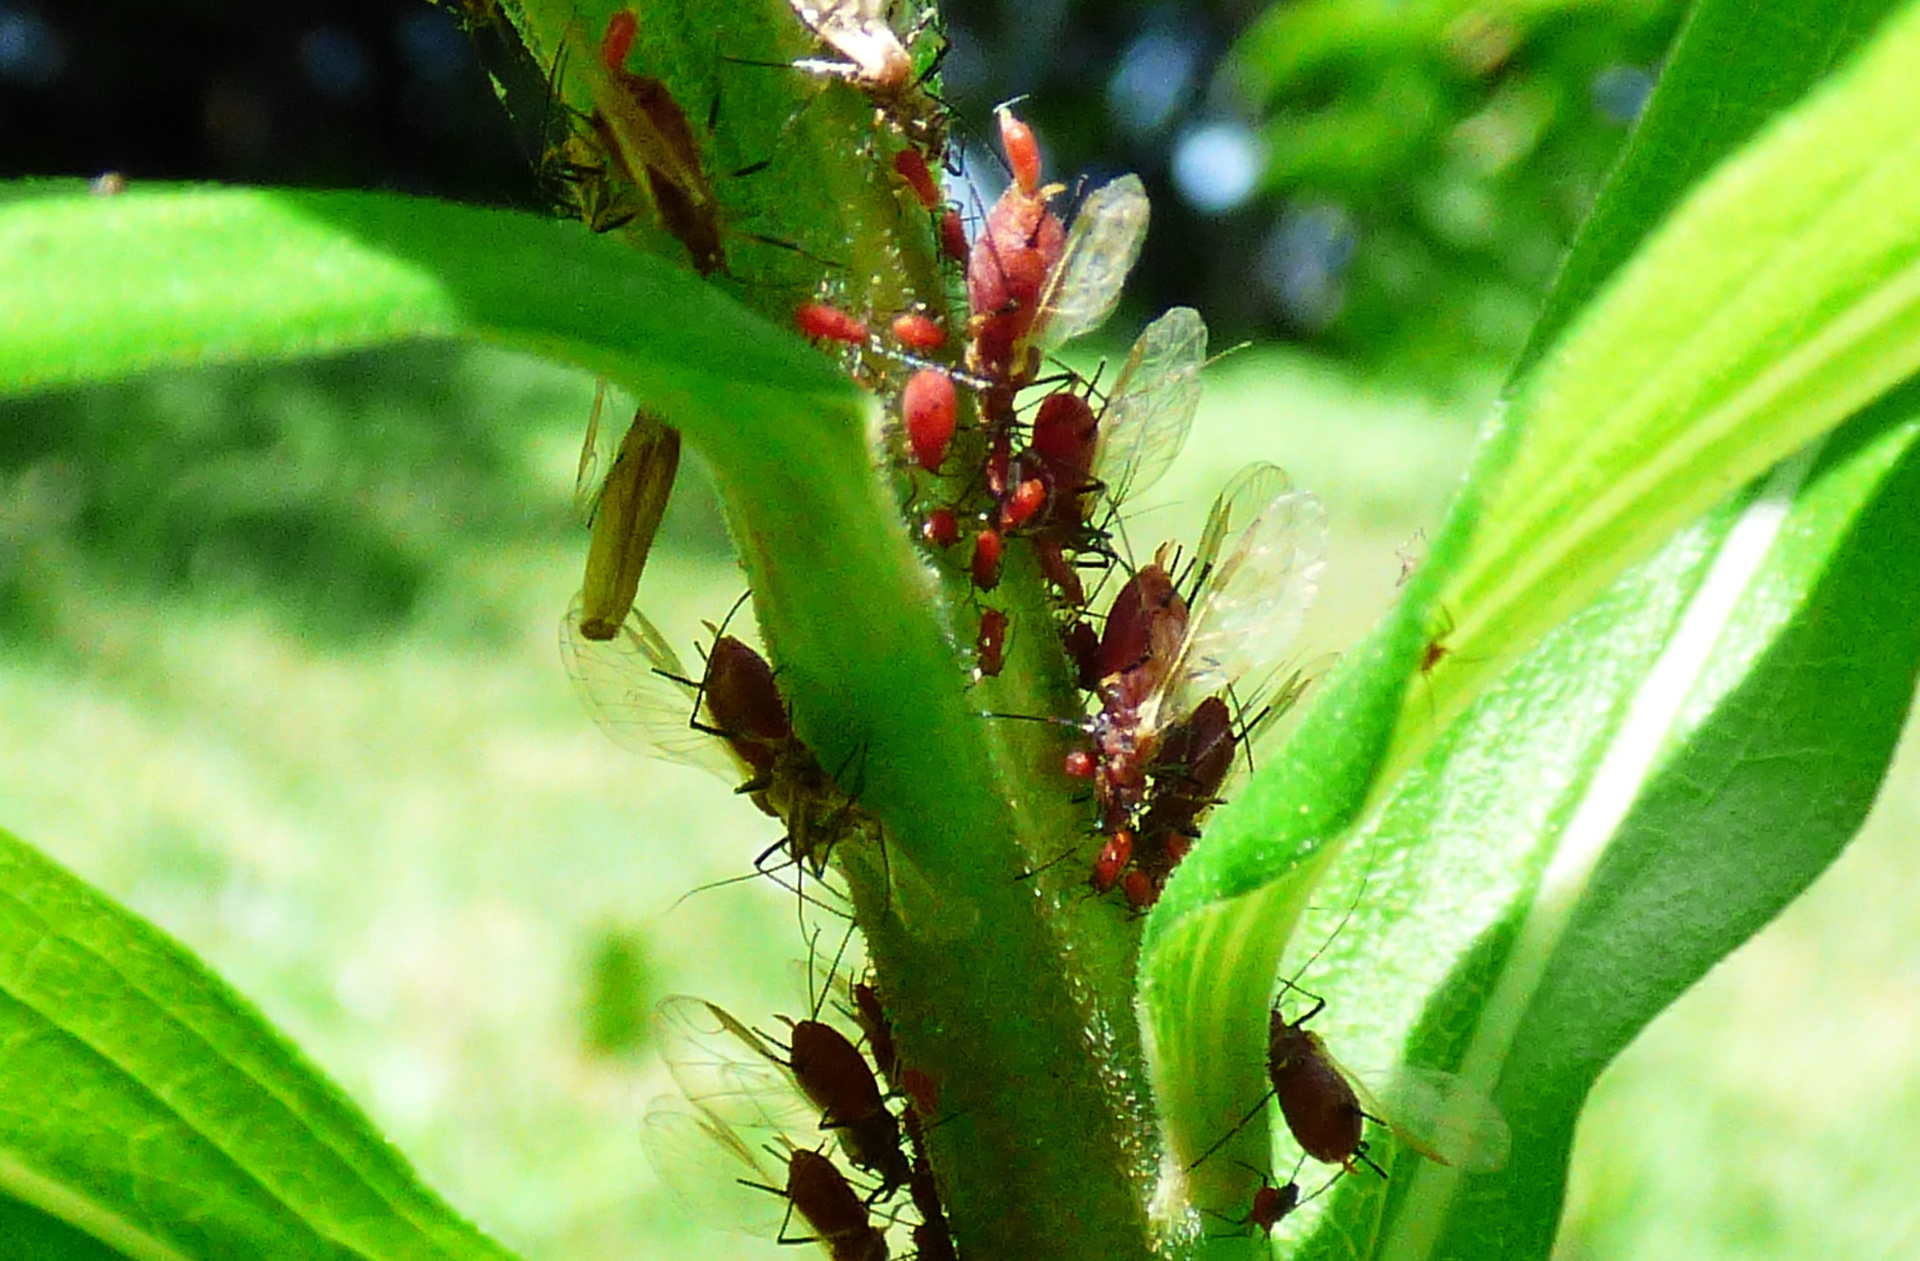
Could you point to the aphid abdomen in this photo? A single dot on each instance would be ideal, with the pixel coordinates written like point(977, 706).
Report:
point(1320, 1107)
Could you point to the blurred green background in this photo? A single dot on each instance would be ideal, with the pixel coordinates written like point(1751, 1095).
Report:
point(277, 645)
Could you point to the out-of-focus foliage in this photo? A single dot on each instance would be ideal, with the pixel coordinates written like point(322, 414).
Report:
point(1430, 161)
point(1395, 181)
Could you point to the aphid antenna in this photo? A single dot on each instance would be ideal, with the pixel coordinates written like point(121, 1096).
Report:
point(1051, 863)
point(1234, 349)
point(1072, 724)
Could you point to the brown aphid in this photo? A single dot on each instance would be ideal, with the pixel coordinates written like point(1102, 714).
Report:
point(1271, 1205)
point(645, 134)
point(1321, 1108)
point(832, 1209)
point(837, 1079)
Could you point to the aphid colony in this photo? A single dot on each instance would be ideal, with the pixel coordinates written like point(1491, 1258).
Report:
point(808, 1134)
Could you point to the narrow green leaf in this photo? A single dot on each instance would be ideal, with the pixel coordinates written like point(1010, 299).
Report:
point(1782, 297)
point(145, 1104)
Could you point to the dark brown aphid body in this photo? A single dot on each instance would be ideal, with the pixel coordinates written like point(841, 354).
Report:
point(1319, 1104)
point(833, 1210)
point(837, 1079)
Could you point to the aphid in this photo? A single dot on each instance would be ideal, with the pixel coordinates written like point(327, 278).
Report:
point(878, 63)
point(930, 408)
point(1437, 1114)
point(820, 321)
point(732, 722)
point(987, 546)
point(626, 517)
point(932, 1238)
point(1271, 1204)
point(1163, 662)
point(1017, 141)
point(1008, 266)
point(872, 1015)
point(953, 237)
point(646, 137)
point(941, 528)
point(835, 1213)
point(708, 1163)
point(1022, 502)
point(1115, 854)
point(990, 648)
point(918, 332)
point(828, 1069)
point(911, 166)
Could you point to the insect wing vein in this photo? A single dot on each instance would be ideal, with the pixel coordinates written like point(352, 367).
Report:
point(728, 1070)
point(624, 684)
point(1152, 407)
point(1101, 248)
point(707, 1166)
point(1255, 599)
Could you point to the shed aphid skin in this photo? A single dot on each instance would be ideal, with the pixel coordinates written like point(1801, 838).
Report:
point(875, 59)
point(626, 516)
point(1164, 663)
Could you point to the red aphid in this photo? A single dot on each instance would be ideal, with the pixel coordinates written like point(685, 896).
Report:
point(872, 1015)
point(819, 321)
point(921, 1089)
point(953, 236)
point(941, 528)
point(1028, 497)
point(912, 167)
point(1080, 764)
point(1271, 1205)
point(931, 408)
point(1113, 860)
point(1023, 151)
point(987, 546)
point(1140, 889)
point(918, 332)
point(990, 649)
point(622, 28)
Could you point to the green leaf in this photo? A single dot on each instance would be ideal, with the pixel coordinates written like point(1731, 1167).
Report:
point(145, 1104)
point(868, 643)
point(1783, 296)
point(1785, 278)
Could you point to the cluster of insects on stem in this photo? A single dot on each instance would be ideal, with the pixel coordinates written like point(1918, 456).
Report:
point(815, 1134)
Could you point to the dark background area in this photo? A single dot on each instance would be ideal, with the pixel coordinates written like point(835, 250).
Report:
point(1389, 184)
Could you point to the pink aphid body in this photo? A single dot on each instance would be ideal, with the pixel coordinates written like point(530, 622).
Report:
point(930, 408)
point(912, 168)
point(918, 332)
point(820, 321)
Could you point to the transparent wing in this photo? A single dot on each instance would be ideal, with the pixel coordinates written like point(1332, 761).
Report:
point(1152, 405)
point(1259, 563)
point(1446, 1119)
point(624, 684)
point(728, 1070)
point(1102, 244)
point(591, 475)
point(708, 1167)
